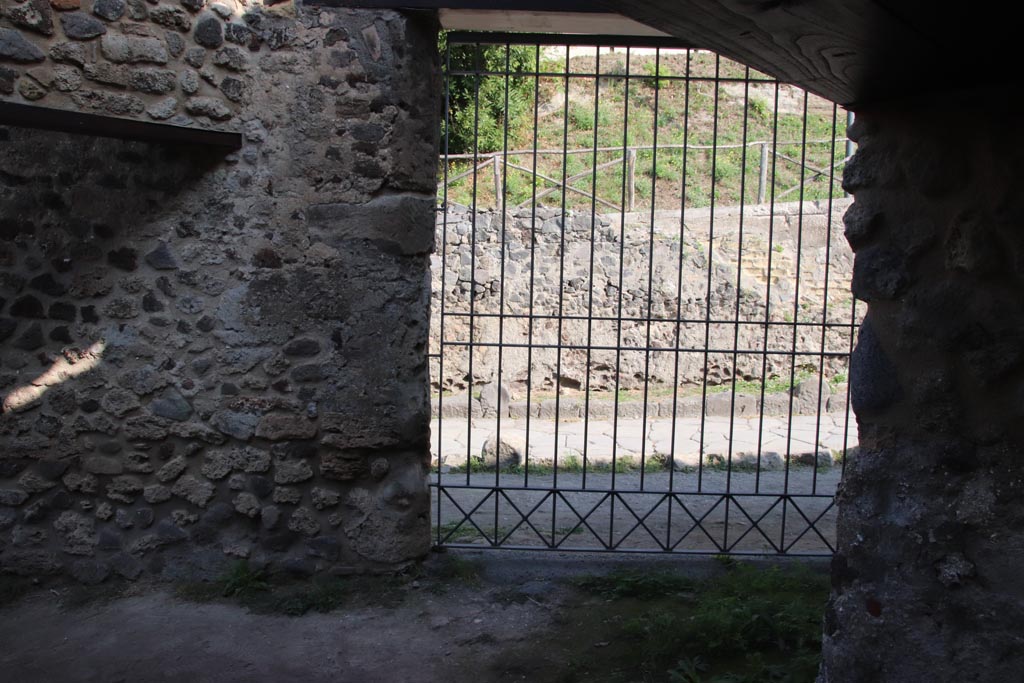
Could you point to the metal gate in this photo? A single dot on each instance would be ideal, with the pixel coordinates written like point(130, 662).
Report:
point(642, 318)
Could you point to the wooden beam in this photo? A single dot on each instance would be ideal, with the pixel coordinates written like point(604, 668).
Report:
point(64, 121)
point(591, 23)
point(582, 6)
point(821, 46)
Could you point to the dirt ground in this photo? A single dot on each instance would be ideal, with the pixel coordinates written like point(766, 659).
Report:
point(501, 616)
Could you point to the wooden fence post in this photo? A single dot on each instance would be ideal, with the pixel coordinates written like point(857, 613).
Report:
point(499, 195)
point(762, 180)
point(630, 179)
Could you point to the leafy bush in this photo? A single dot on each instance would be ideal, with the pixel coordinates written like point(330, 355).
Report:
point(477, 103)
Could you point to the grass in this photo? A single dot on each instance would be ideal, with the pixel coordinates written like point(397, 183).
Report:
point(745, 625)
point(659, 106)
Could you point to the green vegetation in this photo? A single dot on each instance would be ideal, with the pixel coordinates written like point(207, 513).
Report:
point(656, 103)
point(746, 625)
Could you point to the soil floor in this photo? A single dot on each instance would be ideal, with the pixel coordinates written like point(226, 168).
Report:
point(502, 616)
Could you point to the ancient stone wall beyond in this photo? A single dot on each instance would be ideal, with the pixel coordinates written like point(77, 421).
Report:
point(207, 358)
point(790, 265)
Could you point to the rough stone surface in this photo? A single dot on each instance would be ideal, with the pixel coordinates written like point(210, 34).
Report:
point(926, 574)
point(206, 318)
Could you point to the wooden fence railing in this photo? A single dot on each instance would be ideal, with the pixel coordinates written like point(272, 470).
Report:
point(499, 162)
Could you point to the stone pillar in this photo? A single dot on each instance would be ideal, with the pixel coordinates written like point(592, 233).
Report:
point(209, 358)
point(927, 578)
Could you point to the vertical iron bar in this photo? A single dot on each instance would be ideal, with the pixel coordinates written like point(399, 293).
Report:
point(796, 319)
point(739, 290)
point(622, 275)
point(711, 269)
point(533, 262)
point(650, 269)
point(593, 238)
point(768, 282)
point(472, 258)
point(444, 269)
point(561, 282)
point(500, 204)
point(679, 292)
point(824, 302)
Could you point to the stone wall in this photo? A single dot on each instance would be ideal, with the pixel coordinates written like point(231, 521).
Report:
point(207, 358)
point(926, 580)
point(793, 265)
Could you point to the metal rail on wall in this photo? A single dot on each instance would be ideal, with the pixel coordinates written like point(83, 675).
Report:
point(637, 347)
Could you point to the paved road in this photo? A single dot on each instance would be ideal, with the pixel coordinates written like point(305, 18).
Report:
point(782, 502)
point(683, 438)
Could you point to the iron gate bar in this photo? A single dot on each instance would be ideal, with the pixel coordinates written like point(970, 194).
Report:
point(613, 496)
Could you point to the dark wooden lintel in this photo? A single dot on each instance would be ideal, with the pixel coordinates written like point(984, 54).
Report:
point(517, 5)
point(46, 118)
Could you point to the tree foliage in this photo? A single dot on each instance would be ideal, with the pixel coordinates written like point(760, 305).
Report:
point(480, 105)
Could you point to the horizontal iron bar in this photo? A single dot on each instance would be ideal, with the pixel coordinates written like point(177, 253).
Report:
point(591, 76)
point(620, 492)
point(628, 319)
point(645, 349)
point(563, 40)
point(64, 121)
point(605, 548)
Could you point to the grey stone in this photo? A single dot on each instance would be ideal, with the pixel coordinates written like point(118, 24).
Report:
point(118, 402)
point(247, 504)
point(163, 110)
point(507, 453)
point(208, 107)
point(172, 469)
point(301, 347)
point(29, 562)
point(161, 257)
point(15, 48)
point(69, 53)
point(143, 381)
point(874, 380)
point(33, 483)
point(171, 405)
point(231, 58)
point(31, 339)
point(304, 521)
point(126, 566)
point(326, 547)
point(79, 533)
point(209, 32)
point(80, 26)
point(100, 464)
point(13, 497)
point(89, 572)
point(110, 10)
point(154, 82)
point(34, 15)
point(281, 427)
point(171, 17)
point(111, 103)
point(270, 516)
point(403, 221)
point(122, 49)
point(241, 426)
point(292, 471)
point(156, 493)
point(194, 490)
point(324, 498)
point(124, 488)
point(342, 465)
point(287, 495)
